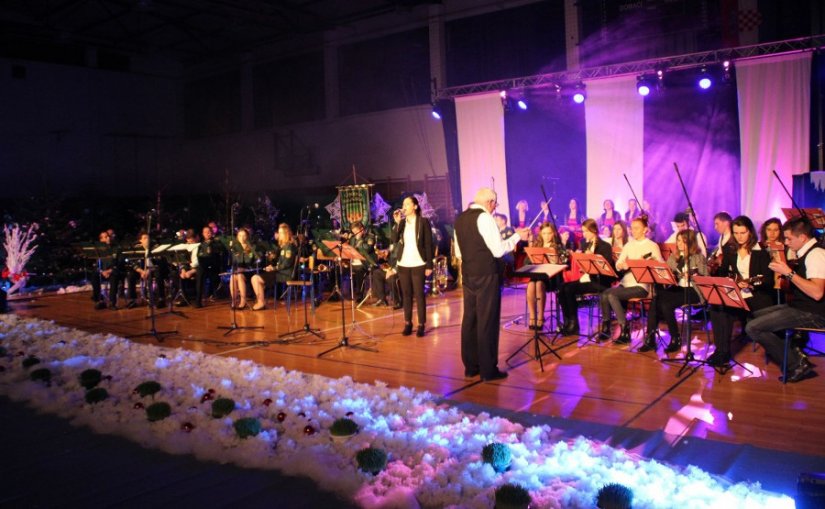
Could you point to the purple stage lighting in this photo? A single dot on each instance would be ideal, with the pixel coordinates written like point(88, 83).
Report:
point(522, 104)
point(643, 89)
point(578, 97)
point(436, 115)
point(705, 83)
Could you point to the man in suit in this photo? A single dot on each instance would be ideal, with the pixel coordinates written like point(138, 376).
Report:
point(479, 245)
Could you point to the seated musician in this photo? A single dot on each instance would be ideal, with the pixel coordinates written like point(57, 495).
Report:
point(667, 299)
point(749, 266)
point(106, 269)
point(380, 278)
point(770, 238)
point(280, 266)
point(363, 242)
point(548, 237)
point(211, 257)
point(188, 271)
point(618, 237)
point(152, 271)
point(506, 232)
point(245, 259)
point(681, 222)
point(807, 306)
point(586, 283)
point(639, 247)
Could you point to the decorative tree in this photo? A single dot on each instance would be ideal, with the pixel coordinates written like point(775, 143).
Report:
point(19, 249)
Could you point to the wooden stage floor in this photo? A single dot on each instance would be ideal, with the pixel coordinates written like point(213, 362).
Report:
point(601, 383)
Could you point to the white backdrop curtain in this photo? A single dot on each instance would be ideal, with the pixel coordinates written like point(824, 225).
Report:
point(774, 128)
point(480, 122)
point(614, 119)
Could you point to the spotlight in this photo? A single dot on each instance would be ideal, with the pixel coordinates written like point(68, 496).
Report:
point(645, 85)
point(522, 104)
point(579, 94)
point(436, 112)
point(704, 79)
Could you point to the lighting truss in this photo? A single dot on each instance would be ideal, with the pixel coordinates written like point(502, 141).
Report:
point(638, 67)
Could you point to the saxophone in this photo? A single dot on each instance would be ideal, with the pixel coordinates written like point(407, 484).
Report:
point(440, 275)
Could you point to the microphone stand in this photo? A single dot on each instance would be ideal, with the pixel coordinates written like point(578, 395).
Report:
point(689, 357)
point(344, 342)
point(158, 335)
point(234, 284)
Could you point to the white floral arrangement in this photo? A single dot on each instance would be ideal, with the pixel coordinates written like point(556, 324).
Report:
point(19, 247)
point(434, 450)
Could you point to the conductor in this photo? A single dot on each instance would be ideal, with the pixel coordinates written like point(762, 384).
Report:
point(480, 247)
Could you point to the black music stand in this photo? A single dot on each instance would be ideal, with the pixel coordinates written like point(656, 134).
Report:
point(158, 335)
point(595, 265)
point(653, 272)
point(347, 252)
point(540, 272)
point(164, 250)
point(303, 283)
point(722, 291)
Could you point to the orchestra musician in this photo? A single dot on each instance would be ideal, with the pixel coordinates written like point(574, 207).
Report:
point(586, 283)
point(639, 247)
point(806, 308)
point(107, 269)
point(667, 299)
point(280, 266)
point(721, 223)
point(618, 236)
point(245, 258)
point(609, 216)
point(633, 210)
point(548, 237)
point(748, 264)
point(681, 222)
point(150, 270)
point(211, 257)
point(522, 221)
point(386, 276)
point(363, 242)
point(770, 238)
point(573, 220)
point(188, 271)
point(413, 235)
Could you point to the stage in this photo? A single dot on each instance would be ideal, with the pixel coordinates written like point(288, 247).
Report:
point(597, 383)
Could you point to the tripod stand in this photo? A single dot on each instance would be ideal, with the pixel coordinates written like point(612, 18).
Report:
point(346, 251)
point(542, 272)
point(233, 270)
point(303, 284)
point(158, 335)
point(163, 249)
point(725, 292)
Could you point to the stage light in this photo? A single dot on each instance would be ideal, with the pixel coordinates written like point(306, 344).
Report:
point(579, 94)
point(436, 112)
point(645, 85)
point(522, 104)
point(705, 81)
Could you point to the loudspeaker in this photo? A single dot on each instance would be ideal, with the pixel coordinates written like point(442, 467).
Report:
point(810, 490)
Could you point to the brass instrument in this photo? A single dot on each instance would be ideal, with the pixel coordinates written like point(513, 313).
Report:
point(455, 262)
point(441, 275)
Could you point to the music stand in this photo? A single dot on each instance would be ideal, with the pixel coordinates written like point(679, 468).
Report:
point(541, 272)
point(595, 265)
point(303, 283)
point(666, 248)
point(542, 255)
point(815, 215)
point(158, 335)
point(322, 255)
point(164, 250)
point(347, 252)
point(653, 272)
point(722, 291)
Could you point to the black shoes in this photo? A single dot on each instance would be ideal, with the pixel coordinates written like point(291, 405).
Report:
point(605, 333)
point(571, 328)
point(802, 371)
point(100, 305)
point(718, 359)
point(498, 375)
point(407, 329)
point(420, 331)
point(675, 344)
point(650, 343)
point(624, 337)
point(471, 373)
